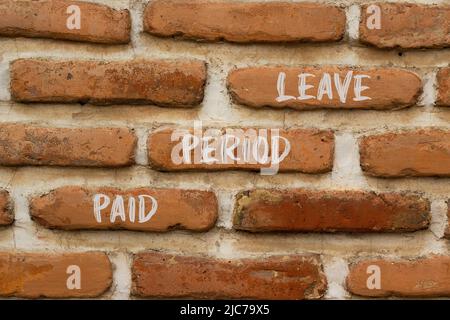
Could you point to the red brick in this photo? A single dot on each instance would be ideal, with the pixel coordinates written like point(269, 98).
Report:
point(424, 152)
point(387, 88)
point(72, 208)
point(23, 145)
point(443, 78)
point(422, 277)
point(329, 211)
point(43, 275)
point(6, 209)
point(277, 277)
point(407, 25)
point(244, 21)
point(161, 82)
point(312, 151)
point(48, 19)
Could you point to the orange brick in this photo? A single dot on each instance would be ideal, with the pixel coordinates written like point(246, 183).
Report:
point(406, 25)
point(49, 19)
point(161, 82)
point(278, 87)
point(73, 208)
point(43, 275)
point(424, 152)
point(328, 211)
point(245, 22)
point(283, 277)
point(90, 147)
point(312, 151)
point(422, 277)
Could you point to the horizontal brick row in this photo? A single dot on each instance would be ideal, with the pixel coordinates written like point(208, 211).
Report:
point(163, 275)
point(42, 275)
point(283, 277)
point(419, 277)
point(89, 274)
point(384, 25)
point(180, 83)
point(257, 210)
point(422, 152)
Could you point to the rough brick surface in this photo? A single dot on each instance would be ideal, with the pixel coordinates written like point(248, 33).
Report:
point(94, 155)
point(424, 152)
point(329, 211)
point(312, 151)
point(42, 275)
point(22, 145)
point(72, 208)
point(387, 88)
point(422, 277)
point(283, 277)
point(443, 79)
point(167, 83)
point(245, 22)
point(407, 25)
point(6, 208)
point(48, 19)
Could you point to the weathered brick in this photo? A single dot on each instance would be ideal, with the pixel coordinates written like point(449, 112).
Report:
point(424, 152)
point(244, 21)
point(162, 82)
point(329, 211)
point(422, 277)
point(443, 79)
point(49, 19)
point(312, 151)
point(43, 275)
point(407, 25)
point(6, 209)
point(72, 208)
point(277, 277)
point(23, 145)
point(371, 88)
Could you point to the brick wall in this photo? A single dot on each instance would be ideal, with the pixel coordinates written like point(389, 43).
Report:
point(86, 116)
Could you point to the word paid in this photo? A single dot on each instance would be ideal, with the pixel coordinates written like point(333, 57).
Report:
point(145, 213)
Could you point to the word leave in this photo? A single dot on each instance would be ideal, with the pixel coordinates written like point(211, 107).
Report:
point(325, 87)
